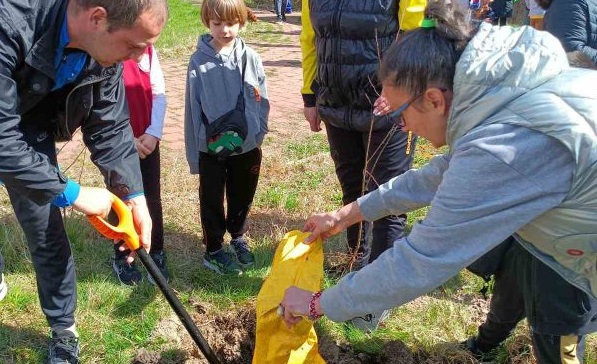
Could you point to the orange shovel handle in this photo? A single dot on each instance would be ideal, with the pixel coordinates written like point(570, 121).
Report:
point(125, 230)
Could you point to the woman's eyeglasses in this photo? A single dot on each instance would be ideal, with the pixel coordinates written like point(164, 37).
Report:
point(396, 115)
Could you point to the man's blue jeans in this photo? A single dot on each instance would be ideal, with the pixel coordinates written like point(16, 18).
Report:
point(280, 6)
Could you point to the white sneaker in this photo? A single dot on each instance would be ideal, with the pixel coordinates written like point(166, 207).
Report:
point(370, 322)
point(3, 287)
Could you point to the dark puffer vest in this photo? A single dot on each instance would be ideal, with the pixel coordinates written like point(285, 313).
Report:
point(350, 38)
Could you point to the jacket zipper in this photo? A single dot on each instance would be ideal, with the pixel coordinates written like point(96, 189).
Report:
point(338, 66)
point(90, 82)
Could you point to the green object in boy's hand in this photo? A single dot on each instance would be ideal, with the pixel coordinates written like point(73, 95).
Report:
point(227, 142)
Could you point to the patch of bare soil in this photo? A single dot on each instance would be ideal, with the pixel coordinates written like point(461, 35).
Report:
point(232, 337)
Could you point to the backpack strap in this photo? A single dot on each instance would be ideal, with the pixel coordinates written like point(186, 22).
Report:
point(241, 98)
point(242, 74)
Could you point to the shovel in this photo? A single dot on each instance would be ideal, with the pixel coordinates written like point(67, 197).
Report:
point(126, 231)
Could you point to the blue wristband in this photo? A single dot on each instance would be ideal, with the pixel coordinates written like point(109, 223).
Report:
point(133, 195)
point(69, 195)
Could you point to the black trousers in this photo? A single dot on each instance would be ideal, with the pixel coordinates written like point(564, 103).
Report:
point(387, 158)
point(237, 178)
point(49, 245)
point(150, 172)
point(558, 313)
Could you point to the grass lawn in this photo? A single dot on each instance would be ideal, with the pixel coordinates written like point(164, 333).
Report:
point(119, 323)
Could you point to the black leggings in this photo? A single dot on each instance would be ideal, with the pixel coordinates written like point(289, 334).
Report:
point(388, 158)
point(237, 177)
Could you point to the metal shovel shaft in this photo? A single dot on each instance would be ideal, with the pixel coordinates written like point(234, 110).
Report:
point(125, 230)
point(177, 306)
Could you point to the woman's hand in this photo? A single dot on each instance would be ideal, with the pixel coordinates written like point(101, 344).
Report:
point(322, 225)
point(313, 118)
point(331, 223)
point(296, 305)
point(381, 106)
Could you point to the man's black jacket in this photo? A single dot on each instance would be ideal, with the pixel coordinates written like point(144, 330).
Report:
point(30, 112)
point(574, 23)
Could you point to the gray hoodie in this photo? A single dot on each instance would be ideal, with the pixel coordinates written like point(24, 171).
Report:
point(522, 161)
point(213, 86)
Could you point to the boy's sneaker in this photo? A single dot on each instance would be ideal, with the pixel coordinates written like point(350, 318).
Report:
point(3, 287)
point(370, 322)
point(126, 273)
point(221, 262)
point(241, 249)
point(64, 348)
point(159, 258)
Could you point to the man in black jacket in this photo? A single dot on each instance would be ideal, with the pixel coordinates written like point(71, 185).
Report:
point(60, 70)
point(574, 23)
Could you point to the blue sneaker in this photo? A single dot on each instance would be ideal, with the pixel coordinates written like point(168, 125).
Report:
point(240, 247)
point(159, 258)
point(126, 273)
point(221, 262)
point(64, 348)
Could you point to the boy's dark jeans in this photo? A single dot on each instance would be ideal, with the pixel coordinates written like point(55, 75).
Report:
point(556, 310)
point(237, 177)
point(349, 150)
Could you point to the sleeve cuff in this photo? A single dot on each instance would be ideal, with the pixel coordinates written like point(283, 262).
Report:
point(372, 205)
point(309, 100)
point(69, 195)
point(133, 195)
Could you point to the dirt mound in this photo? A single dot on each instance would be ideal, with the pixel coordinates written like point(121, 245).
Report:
point(232, 337)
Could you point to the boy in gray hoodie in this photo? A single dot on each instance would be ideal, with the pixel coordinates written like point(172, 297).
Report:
point(226, 111)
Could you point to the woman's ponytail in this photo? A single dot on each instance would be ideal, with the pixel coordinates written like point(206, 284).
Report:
point(428, 55)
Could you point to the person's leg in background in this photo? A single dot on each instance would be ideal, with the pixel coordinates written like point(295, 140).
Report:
point(212, 182)
point(506, 308)
point(390, 154)
point(348, 154)
point(560, 315)
point(241, 184)
point(128, 273)
point(150, 171)
point(280, 7)
point(555, 349)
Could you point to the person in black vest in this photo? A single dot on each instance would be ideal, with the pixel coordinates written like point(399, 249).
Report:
point(342, 43)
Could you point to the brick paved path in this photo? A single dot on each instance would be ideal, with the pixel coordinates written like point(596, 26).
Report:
point(282, 65)
point(283, 68)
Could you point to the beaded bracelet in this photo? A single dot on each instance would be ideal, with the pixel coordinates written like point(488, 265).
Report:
point(313, 315)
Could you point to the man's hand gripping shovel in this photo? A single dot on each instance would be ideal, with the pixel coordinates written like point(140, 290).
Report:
point(125, 230)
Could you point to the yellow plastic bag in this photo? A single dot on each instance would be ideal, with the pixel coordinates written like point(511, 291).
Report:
point(295, 264)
